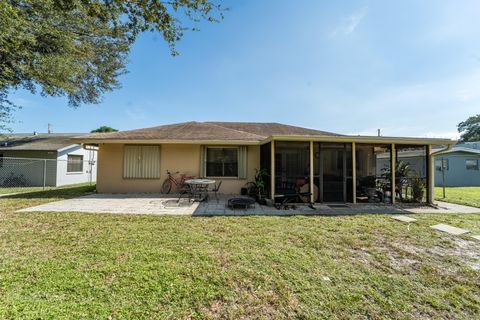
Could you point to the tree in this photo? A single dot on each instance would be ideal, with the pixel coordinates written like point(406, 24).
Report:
point(104, 129)
point(470, 129)
point(78, 48)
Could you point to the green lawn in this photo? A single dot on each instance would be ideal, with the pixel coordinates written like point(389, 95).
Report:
point(462, 195)
point(82, 266)
point(10, 190)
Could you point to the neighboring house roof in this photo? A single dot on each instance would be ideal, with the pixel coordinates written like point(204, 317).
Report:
point(37, 142)
point(461, 149)
point(469, 145)
point(412, 153)
point(235, 132)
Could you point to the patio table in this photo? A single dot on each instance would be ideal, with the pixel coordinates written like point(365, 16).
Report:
point(199, 188)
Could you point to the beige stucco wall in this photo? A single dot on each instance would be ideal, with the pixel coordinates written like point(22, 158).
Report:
point(174, 157)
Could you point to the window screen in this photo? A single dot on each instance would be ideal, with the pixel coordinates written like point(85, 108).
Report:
point(74, 163)
point(222, 162)
point(438, 164)
point(471, 164)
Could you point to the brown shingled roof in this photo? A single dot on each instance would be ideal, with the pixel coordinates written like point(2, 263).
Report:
point(272, 128)
point(218, 131)
point(179, 131)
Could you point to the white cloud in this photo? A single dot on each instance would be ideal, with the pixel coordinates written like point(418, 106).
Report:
point(136, 114)
point(23, 102)
point(453, 21)
point(443, 134)
point(459, 93)
point(350, 23)
point(406, 132)
point(422, 109)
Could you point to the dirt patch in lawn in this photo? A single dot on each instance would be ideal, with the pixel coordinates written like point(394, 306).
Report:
point(465, 250)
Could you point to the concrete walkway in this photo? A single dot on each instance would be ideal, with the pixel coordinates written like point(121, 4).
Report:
point(452, 207)
point(168, 204)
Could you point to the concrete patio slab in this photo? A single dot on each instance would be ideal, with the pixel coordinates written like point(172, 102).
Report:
point(155, 203)
point(449, 229)
point(404, 218)
point(121, 203)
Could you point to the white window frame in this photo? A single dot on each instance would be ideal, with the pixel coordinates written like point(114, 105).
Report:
point(474, 167)
point(81, 162)
point(442, 163)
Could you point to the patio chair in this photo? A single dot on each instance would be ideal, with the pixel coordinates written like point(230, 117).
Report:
point(216, 189)
point(187, 192)
point(290, 194)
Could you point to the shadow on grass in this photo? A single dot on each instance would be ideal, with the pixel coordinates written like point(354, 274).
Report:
point(61, 193)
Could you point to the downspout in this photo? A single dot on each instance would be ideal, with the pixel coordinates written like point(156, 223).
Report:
point(91, 159)
point(431, 171)
point(448, 148)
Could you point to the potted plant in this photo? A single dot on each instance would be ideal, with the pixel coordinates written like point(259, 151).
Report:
point(418, 187)
point(257, 188)
point(403, 172)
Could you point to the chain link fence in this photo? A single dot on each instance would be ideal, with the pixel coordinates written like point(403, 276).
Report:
point(33, 174)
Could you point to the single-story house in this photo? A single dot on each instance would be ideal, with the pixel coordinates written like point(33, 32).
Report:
point(459, 166)
point(50, 159)
point(333, 167)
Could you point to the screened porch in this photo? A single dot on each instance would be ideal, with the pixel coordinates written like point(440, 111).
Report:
point(348, 172)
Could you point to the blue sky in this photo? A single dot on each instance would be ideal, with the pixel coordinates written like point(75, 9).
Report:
point(410, 68)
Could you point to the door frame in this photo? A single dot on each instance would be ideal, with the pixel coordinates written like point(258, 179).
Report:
point(321, 163)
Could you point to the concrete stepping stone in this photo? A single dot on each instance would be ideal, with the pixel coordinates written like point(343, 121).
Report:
point(449, 229)
point(404, 218)
point(476, 237)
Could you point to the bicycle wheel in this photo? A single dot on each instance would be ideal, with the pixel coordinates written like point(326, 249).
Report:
point(166, 186)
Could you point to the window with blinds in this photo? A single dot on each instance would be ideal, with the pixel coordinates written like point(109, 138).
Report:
point(74, 163)
point(141, 162)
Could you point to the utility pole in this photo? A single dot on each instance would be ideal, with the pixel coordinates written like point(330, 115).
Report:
point(443, 176)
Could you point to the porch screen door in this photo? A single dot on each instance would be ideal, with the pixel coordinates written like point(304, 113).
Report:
point(335, 162)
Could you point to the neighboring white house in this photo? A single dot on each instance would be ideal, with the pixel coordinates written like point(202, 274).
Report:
point(49, 159)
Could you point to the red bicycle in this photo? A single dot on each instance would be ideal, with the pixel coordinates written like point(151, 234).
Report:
point(172, 183)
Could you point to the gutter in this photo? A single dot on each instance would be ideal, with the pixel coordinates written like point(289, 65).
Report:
point(448, 148)
point(361, 139)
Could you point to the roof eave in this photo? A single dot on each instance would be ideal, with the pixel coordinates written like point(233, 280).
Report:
point(359, 139)
point(29, 149)
point(166, 141)
point(362, 139)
